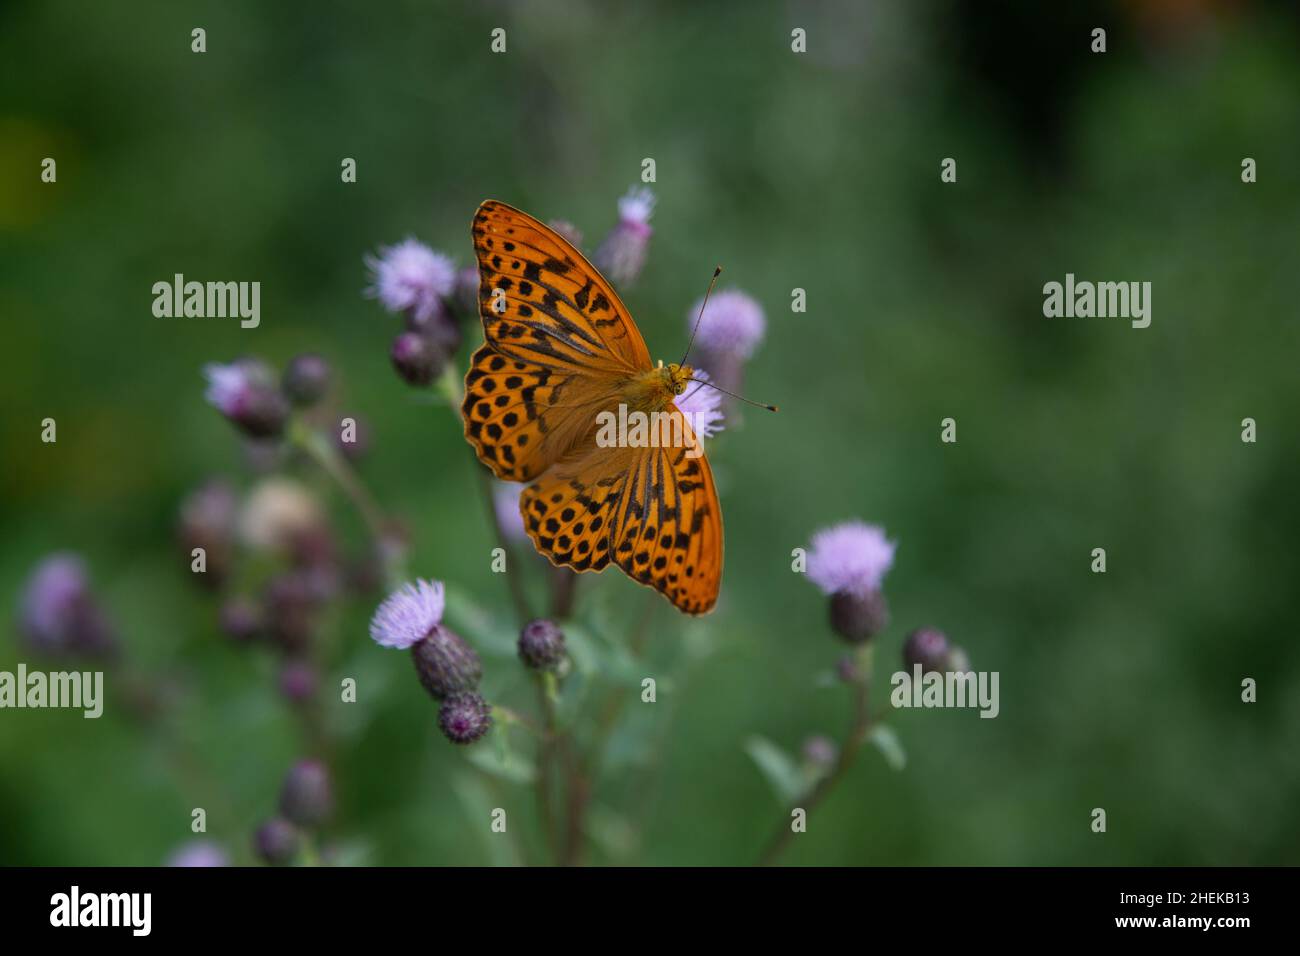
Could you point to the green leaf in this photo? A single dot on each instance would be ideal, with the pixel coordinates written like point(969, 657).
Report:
point(613, 833)
point(777, 767)
point(502, 761)
point(478, 804)
point(887, 742)
point(489, 633)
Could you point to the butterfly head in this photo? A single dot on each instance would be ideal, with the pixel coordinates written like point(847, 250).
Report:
point(677, 376)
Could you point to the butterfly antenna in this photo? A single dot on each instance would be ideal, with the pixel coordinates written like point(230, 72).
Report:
point(770, 408)
point(717, 271)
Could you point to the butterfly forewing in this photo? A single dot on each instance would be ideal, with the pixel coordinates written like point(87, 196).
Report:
point(542, 301)
point(522, 417)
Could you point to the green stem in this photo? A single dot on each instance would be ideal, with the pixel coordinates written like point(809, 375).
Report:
point(318, 447)
point(583, 771)
point(857, 734)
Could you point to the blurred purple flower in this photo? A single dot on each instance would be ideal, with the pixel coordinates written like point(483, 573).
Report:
point(569, 231)
point(732, 324)
point(411, 277)
point(298, 681)
point(851, 557)
point(276, 842)
point(622, 254)
point(198, 853)
point(466, 292)
point(59, 614)
point(408, 614)
point(505, 499)
point(245, 393)
point(307, 794)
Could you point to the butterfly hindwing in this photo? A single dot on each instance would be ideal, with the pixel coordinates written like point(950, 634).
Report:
point(541, 301)
point(653, 511)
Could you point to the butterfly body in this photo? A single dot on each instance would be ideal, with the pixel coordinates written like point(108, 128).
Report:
point(560, 351)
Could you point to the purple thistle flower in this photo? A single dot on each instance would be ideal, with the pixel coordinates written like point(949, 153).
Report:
point(732, 324)
point(408, 614)
point(701, 405)
point(198, 853)
point(59, 614)
point(505, 500)
point(245, 393)
point(410, 277)
point(622, 254)
point(851, 557)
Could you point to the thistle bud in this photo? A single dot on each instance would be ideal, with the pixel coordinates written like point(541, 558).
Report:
point(445, 664)
point(928, 647)
point(276, 842)
point(464, 718)
point(857, 617)
point(541, 645)
point(298, 681)
point(241, 620)
point(417, 358)
point(307, 797)
point(306, 379)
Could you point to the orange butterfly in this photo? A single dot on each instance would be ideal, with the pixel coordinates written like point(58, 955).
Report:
point(560, 348)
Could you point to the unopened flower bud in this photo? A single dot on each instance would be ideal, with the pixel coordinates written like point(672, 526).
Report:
point(464, 718)
point(856, 617)
point(276, 842)
point(298, 681)
point(541, 644)
point(417, 358)
point(241, 620)
point(306, 379)
point(445, 664)
point(927, 646)
point(307, 797)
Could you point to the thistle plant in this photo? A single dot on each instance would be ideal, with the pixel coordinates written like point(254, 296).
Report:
point(563, 655)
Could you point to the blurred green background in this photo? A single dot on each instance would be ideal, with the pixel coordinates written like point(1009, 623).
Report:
point(818, 171)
